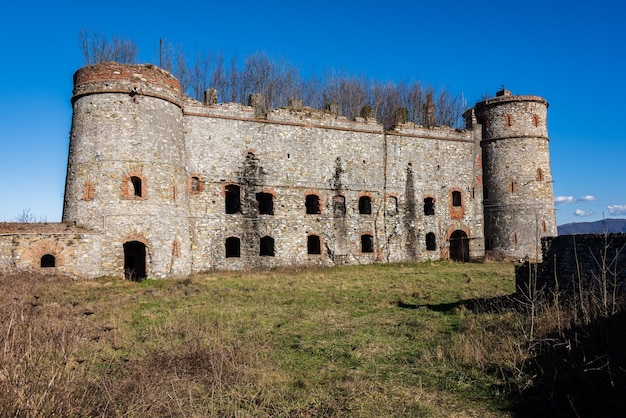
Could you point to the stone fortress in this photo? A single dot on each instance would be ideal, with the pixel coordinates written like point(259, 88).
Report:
point(160, 185)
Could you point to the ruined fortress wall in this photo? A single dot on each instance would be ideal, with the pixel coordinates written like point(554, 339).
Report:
point(572, 262)
point(289, 155)
point(126, 172)
point(432, 163)
point(76, 254)
point(150, 173)
point(519, 201)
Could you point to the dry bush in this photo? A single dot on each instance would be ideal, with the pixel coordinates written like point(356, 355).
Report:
point(39, 371)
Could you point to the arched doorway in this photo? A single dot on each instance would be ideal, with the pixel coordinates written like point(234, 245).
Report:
point(459, 246)
point(134, 260)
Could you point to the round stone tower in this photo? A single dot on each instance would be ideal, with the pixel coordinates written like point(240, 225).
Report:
point(126, 174)
point(518, 196)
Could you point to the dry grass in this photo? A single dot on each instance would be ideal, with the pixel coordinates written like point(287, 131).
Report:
point(382, 340)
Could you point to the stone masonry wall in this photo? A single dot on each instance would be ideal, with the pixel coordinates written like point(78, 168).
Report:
point(156, 171)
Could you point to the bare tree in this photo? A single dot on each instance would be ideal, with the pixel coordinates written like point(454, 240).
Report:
point(97, 48)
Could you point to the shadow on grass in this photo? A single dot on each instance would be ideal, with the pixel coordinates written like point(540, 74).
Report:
point(478, 305)
point(578, 372)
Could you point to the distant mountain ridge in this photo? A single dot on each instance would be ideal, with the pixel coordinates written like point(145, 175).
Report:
point(597, 227)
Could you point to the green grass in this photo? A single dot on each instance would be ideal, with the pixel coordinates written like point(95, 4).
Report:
point(295, 342)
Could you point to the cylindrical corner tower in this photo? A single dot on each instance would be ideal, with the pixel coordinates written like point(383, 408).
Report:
point(518, 196)
point(126, 170)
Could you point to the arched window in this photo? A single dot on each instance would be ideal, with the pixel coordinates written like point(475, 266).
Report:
point(431, 242)
point(135, 186)
point(365, 205)
point(266, 203)
point(196, 185)
point(47, 261)
point(456, 198)
point(233, 247)
point(232, 199)
point(539, 174)
point(367, 243)
point(339, 205)
point(266, 246)
point(429, 206)
point(312, 204)
point(313, 245)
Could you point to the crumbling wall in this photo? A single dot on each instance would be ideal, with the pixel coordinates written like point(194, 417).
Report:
point(572, 261)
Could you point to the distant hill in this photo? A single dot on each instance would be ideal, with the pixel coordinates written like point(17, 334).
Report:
point(597, 227)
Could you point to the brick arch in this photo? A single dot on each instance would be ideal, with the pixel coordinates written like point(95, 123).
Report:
point(39, 248)
point(445, 249)
point(141, 267)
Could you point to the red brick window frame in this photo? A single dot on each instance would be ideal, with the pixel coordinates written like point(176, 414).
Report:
point(509, 120)
point(195, 184)
point(457, 206)
point(539, 174)
point(89, 191)
point(134, 186)
point(536, 120)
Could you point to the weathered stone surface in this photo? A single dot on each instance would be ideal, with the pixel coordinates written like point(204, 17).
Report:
point(151, 167)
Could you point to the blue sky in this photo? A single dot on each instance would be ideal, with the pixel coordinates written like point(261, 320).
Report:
point(574, 55)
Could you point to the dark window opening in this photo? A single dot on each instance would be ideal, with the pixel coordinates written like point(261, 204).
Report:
point(367, 243)
point(233, 199)
point(135, 182)
point(47, 260)
point(539, 175)
point(509, 120)
point(233, 247)
point(456, 198)
point(266, 203)
point(339, 205)
point(544, 226)
point(313, 245)
point(135, 260)
point(365, 205)
point(513, 186)
point(266, 246)
point(431, 242)
point(313, 204)
point(429, 206)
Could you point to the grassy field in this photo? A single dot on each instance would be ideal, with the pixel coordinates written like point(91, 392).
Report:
point(363, 341)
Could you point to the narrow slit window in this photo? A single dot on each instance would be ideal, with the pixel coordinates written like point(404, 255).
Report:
point(135, 183)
